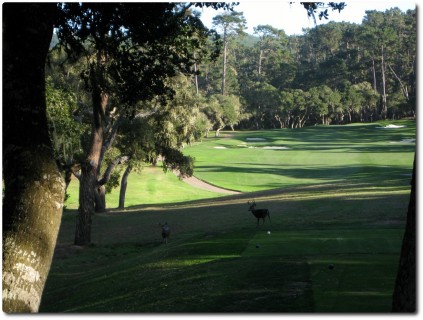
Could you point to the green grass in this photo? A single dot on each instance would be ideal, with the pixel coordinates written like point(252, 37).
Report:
point(212, 264)
point(319, 154)
point(150, 186)
point(351, 216)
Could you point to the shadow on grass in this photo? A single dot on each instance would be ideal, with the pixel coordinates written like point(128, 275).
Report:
point(351, 173)
point(225, 272)
point(362, 133)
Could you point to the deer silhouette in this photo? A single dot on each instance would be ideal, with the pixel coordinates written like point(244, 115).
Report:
point(165, 232)
point(259, 213)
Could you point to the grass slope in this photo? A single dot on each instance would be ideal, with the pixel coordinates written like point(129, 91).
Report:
point(219, 261)
point(150, 186)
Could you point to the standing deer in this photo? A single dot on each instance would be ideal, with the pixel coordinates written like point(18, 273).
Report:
point(165, 231)
point(259, 213)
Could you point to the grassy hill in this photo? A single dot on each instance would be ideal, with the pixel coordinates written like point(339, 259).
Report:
point(334, 242)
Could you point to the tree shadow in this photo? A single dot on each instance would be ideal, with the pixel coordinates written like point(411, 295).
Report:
point(352, 173)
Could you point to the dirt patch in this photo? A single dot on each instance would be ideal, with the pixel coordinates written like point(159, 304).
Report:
point(195, 182)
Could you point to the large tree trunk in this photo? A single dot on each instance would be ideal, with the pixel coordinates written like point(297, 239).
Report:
point(87, 184)
point(404, 297)
point(100, 199)
point(34, 188)
point(88, 181)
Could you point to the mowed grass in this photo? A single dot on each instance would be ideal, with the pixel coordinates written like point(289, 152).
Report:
point(212, 262)
point(333, 246)
point(310, 155)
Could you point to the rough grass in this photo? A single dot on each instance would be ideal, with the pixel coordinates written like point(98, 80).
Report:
point(219, 261)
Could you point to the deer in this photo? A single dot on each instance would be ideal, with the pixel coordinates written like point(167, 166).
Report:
point(259, 213)
point(165, 232)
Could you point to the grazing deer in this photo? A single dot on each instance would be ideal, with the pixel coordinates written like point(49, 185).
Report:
point(165, 231)
point(259, 213)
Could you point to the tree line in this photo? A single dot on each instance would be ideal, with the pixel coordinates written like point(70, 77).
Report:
point(336, 73)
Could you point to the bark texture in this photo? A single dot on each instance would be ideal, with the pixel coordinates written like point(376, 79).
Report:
point(88, 188)
point(34, 188)
point(123, 186)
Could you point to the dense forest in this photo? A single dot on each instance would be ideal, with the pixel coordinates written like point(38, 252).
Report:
point(336, 73)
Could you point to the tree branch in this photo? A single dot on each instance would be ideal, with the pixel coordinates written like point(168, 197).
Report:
point(403, 88)
point(112, 165)
point(145, 114)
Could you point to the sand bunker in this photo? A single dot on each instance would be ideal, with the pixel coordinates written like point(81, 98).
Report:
point(404, 141)
point(276, 148)
point(391, 126)
point(245, 145)
point(255, 139)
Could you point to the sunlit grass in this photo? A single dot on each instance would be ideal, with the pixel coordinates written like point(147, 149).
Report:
point(314, 155)
point(151, 186)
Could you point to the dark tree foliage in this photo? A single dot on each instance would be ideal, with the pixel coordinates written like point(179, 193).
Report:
point(313, 8)
point(146, 43)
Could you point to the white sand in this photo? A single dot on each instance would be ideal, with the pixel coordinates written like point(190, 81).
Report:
point(391, 126)
point(276, 148)
point(404, 141)
point(255, 139)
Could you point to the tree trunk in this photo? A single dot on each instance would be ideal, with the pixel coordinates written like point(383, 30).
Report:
point(404, 297)
point(100, 191)
point(100, 199)
point(34, 188)
point(196, 74)
point(403, 87)
point(217, 134)
point(225, 57)
point(279, 120)
point(384, 102)
point(123, 185)
point(260, 64)
point(88, 182)
point(374, 76)
point(87, 185)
